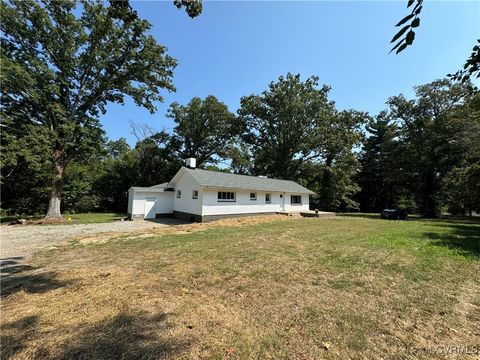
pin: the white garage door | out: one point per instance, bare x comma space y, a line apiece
150, 208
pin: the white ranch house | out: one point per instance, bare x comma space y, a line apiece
201, 195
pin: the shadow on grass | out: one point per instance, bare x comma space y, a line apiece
461, 237
16, 334
8, 219
414, 217
126, 336
16, 276
361, 215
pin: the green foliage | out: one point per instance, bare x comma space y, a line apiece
461, 189
421, 154
117, 148
25, 171
402, 37
204, 129
62, 64
285, 125
192, 7
334, 184
433, 128
294, 132
240, 159
78, 192
471, 68
117, 175
461, 186
382, 177
158, 159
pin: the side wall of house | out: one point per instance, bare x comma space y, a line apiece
186, 204
305, 206
163, 203
244, 205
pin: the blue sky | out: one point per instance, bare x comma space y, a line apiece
237, 48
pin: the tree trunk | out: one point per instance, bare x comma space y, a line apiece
59, 162
429, 200
326, 183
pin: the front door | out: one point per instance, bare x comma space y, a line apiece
150, 208
282, 202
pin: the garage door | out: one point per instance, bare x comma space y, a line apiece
150, 208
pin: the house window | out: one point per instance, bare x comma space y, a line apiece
195, 194
267, 198
179, 194
253, 196
296, 200
226, 196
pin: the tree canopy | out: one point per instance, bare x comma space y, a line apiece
204, 129
419, 154
62, 63
285, 124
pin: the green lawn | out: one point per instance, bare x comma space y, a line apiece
86, 218
350, 287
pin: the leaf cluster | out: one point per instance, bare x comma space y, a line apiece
406, 35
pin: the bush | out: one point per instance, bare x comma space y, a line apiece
87, 203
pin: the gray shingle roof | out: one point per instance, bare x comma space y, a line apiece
162, 185
220, 179
158, 187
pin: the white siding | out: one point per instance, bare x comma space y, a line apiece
186, 204
163, 203
293, 208
243, 204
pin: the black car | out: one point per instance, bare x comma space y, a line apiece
395, 214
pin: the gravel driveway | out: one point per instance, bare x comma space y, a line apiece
24, 240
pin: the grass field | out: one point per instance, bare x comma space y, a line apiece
87, 218
349, 287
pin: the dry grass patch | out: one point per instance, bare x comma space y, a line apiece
291, 289
181, 228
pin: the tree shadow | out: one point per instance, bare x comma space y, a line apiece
15, 335
415, 217
126, 336
17, 276
360, 215
461, 237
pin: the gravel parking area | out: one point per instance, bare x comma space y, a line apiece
24, 240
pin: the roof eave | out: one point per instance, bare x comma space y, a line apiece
147, 189
310, 192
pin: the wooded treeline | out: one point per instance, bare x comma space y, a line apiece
64, 61
420, 154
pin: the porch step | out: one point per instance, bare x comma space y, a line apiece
319, 214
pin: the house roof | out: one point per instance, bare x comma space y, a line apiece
218, 179
154, 188
162, 185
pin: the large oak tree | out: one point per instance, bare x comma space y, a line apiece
63, 62
286, 125
204, 129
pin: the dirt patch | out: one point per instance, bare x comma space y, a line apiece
181, 229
